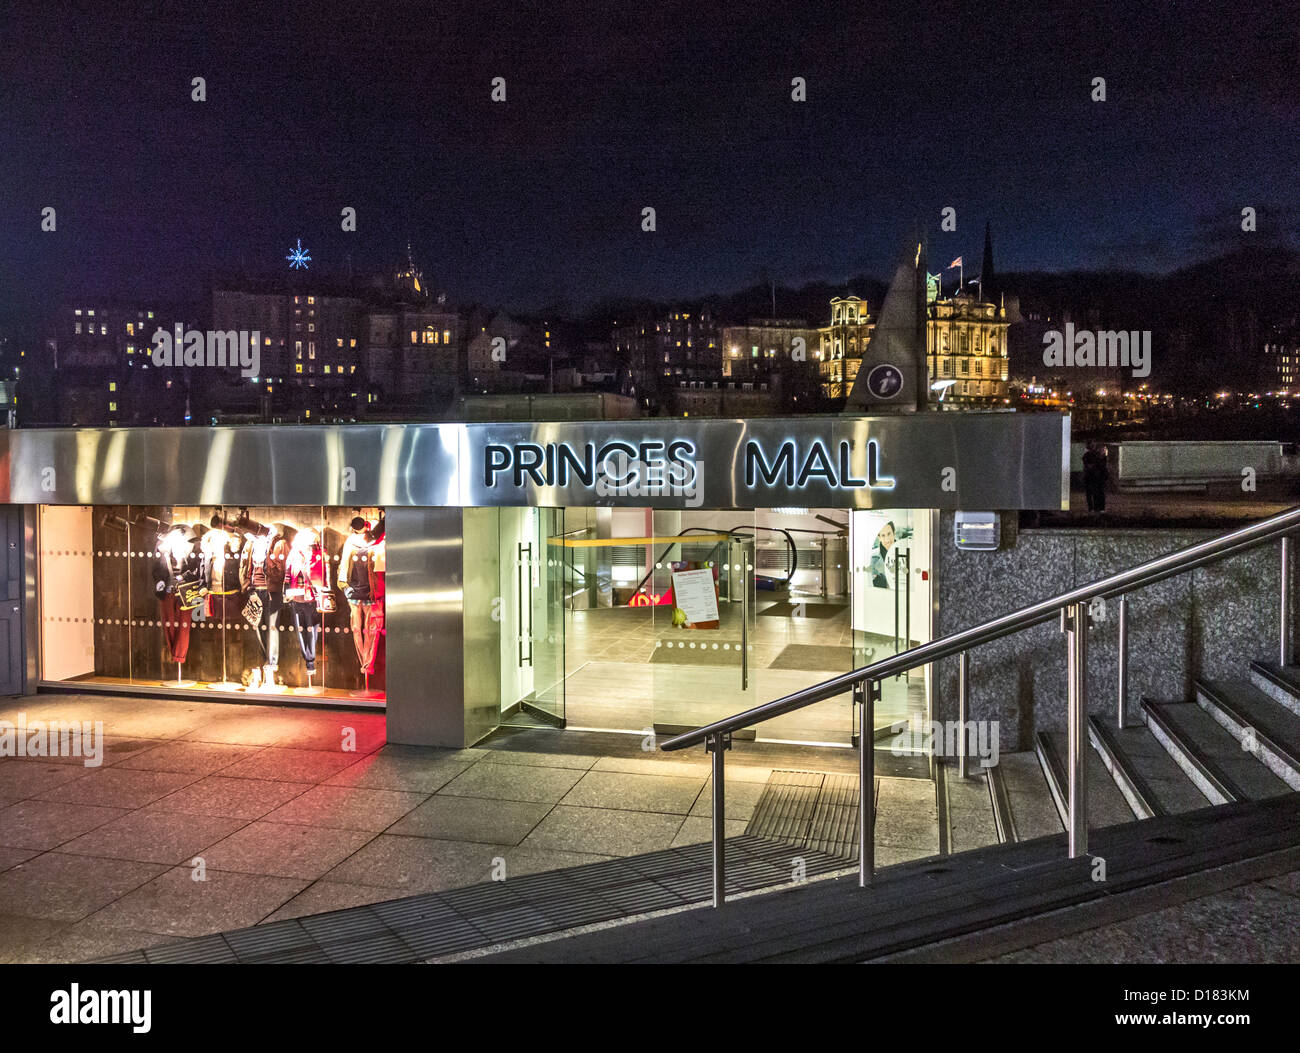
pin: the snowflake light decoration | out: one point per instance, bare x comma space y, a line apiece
298, 257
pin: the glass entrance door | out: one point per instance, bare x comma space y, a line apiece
530, 612
891, 611
702, 666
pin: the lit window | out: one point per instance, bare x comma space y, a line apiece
311, 299
413, 340
78, 310
112, 407
297, 368
352, 342
446, 336
130, 329
339, 341
112, 385
150, 314
77, 329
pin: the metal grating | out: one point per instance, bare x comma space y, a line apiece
809, 810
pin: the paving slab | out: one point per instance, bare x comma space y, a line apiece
472, 819
347, 808
391, 768
118, 787
194, 758
512, 782
290, 765
62, 887
604, 831
284, 850
43, 825
418, 864
635, 792
147, 836
175, 904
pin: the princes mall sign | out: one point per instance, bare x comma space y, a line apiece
950, 460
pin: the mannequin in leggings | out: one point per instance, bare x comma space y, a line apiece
261, 573
305, 578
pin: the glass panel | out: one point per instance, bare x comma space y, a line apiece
803, 625
171, 591
547, 578
531, 616
607, 618
891, 604
702, 664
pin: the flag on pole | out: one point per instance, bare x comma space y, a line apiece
954, 263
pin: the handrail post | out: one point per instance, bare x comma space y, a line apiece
865, 694
1284, 633
1076, 629
1123, 660
718, 746
963, 710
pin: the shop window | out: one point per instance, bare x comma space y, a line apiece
268, 601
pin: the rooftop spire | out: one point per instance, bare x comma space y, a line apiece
986, 268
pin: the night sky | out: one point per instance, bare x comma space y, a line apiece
684, 107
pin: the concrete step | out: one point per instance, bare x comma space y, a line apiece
1280, 682
1033, 814
1208, 754
1148, 777
967, 810
925, 904
1106, 804
1261, 726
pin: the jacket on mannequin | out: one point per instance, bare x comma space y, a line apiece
175, 564
305, 575
262, 565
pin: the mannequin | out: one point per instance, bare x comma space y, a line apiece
354, 574
223, 598
261, 574
375, 628
178, 575
306, 578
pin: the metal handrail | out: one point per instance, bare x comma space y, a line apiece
1072, 607
1144, 574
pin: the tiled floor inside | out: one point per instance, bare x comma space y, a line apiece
207, 817
628, 668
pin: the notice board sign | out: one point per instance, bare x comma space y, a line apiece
695, 595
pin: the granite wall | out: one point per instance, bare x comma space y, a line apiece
1209, 622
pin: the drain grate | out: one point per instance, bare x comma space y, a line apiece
808, 809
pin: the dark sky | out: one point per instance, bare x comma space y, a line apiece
681, 106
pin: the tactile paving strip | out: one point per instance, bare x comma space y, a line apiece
809, 810
421, 928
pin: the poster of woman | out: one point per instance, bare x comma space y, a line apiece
884, 554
